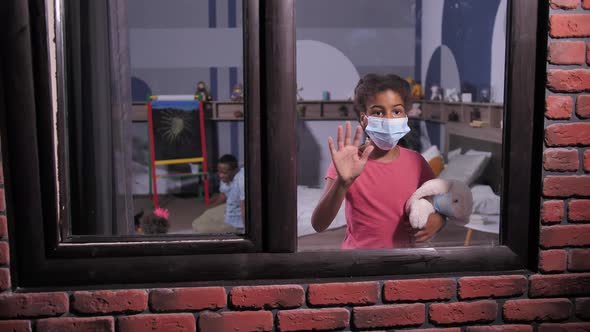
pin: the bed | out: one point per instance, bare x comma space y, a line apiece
307, 199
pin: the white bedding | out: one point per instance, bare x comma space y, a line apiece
307, 199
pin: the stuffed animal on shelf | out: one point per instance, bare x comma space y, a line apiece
450, 198
237, 93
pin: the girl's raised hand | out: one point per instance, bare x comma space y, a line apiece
347, 161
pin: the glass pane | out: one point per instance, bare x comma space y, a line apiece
424, 80
154, 117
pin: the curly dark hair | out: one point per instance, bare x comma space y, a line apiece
371, 84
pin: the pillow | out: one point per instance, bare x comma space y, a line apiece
465, 168
474, 152
434, 158
485, 201
453, 153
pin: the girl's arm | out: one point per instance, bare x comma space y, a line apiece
348, 165
328, 206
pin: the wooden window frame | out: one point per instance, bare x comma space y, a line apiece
42, 260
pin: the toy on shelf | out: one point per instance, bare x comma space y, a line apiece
452, 95
415, 88
299, 89
237, 93
415, 111
435, 91
202, 92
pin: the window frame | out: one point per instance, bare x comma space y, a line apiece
41, 260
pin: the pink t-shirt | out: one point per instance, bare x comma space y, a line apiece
374, 210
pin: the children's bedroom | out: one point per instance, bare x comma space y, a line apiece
184, 131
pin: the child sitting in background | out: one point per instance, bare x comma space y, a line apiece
226, 211
377, 178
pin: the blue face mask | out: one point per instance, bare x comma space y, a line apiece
385, 133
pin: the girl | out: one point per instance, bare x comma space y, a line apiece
377, 178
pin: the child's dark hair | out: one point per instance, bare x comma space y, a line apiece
230, 160
371, 84
154, 224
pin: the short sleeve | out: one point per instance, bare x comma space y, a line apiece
425, 171
223, 187
331, 173
241, 185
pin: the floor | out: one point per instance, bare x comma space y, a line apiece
184, 209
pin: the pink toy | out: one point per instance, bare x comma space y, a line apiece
450, 198
161, 213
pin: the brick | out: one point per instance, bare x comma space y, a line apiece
567, 53
565, 134
566, 186
4, 279
157, 323
587, 160
418, 290
2, 200
68, 324
561, 160
345, 293
108, 302
4, 253
15, 325
388, 316
564, 327
33, 305
586, 4
578, 210
569, 25
560, 236
588, 49
537, 310
559, 107
560, 285
3, 228
500, 328
313, 319
448, 329
583, 308
564, 4
177, 299
578, 260
552, 212
552, 260
583, 106
267, 297
574, 80
501, 286
464, 312
236, 321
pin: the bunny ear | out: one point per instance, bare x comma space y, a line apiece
431, 187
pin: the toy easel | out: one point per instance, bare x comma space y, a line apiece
197, 158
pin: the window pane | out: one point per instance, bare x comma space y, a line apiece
429, 101
154, 117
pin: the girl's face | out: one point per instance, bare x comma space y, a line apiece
386, 104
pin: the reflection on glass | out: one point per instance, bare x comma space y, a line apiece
416, 88
167, 156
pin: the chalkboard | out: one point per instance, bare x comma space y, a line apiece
176, 130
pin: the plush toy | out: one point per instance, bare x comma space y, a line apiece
450, 198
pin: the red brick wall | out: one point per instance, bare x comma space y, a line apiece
556, 299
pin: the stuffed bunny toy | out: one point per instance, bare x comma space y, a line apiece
450, 198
